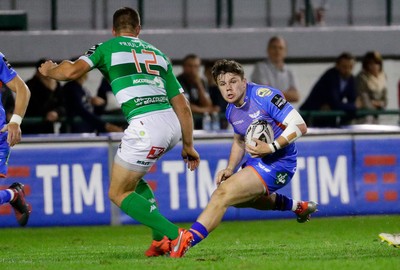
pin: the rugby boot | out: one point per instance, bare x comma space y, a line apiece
181, 244
391, 239
304, 210
21, 208
159, 248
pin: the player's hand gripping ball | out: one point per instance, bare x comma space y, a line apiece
259, 129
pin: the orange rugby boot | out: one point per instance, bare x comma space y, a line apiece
159, 248
181, 244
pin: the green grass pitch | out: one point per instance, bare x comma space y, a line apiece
323, 243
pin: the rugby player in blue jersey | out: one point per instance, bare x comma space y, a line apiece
268, 167
10, 134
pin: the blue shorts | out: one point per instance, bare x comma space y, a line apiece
4, 154
274, 175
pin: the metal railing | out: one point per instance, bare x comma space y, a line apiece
224, 12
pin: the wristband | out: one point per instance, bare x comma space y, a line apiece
271, 146
15, 118
276, 145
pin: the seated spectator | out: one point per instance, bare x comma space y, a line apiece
371, 85
46, 103
79, 105
216, 98
110, 105
274, 72
194, 89
334, 91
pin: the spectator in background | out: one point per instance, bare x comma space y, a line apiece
371, 85
79, 104
216, 98
274, 72
334, 91
47, 103
195, 90
110, 105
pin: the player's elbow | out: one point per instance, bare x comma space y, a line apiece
303, 128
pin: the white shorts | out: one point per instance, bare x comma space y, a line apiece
146, 139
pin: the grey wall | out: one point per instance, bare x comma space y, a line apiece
240, 44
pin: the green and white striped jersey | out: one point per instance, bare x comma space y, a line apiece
141, 76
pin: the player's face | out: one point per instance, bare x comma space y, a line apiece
192, 67
232, 88
345, 67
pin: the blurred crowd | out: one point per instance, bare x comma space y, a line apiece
71, 108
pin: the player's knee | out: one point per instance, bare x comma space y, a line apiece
113, 196
221, 195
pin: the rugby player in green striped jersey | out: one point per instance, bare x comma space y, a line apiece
158, 114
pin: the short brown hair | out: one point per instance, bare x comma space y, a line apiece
190, 56
126, 18
227, 66
274, 39
345, 56
372, 56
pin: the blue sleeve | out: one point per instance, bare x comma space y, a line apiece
7, 73
275, 105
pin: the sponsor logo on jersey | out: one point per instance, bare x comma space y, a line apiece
155, 152
92, 50
238, 122
278, 101
7, 63
141, 101
264, 168
157, 81
152, 208
281, 178
255, 115
264, 92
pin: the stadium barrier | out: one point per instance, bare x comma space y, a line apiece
348, 171
309, 116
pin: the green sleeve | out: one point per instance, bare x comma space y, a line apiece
95, 55
173, 87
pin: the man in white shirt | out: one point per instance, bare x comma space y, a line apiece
274, 72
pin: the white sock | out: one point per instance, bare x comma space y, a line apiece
12, 194
294, 206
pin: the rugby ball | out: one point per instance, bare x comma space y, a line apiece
259, 129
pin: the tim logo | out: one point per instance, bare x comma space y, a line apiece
155, 152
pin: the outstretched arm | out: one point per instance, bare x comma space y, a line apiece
65, 71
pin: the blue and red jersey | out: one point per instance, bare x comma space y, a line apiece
263, 103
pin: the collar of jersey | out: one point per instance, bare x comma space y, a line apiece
246, 98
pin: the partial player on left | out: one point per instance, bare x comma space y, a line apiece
10, 135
